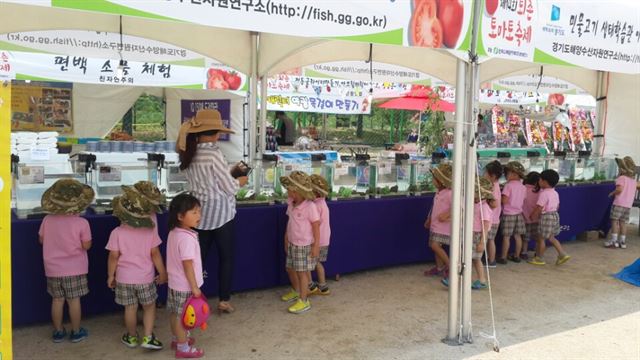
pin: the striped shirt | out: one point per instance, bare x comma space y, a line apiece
210, 181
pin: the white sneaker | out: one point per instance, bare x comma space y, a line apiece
609, 244
617, 244
623, 244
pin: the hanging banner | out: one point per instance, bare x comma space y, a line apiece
5, 221
443, 24
488, 96
99, 44
598, 35
533, 83
42, 106
318, 104
189, 108
82, 69
7, 72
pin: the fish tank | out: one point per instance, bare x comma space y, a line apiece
606, 169
584, 167
534, 162
263, 186
363, 173
343, 182
32, 177
422, 180
113, 170
562, 164
319, 165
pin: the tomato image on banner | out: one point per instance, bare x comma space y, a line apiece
435, 23
221, 79
491, 6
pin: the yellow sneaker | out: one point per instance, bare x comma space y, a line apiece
300, 306
562, 259
290, 296
536, 261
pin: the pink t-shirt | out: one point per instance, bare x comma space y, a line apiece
516, 192
498, 209
134, 244
325, 226
182, 244
441, 204
299, 230
62, 250
549, 200
530, 201
625, 198
481, 216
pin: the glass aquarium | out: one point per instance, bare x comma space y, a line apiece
116, 169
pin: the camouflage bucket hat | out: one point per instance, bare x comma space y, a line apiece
300, 183
516, 167
485, 190
151, 193
66, 197
319, 185
631, 165
133, 209
443, 173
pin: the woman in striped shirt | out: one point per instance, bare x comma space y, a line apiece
210, 181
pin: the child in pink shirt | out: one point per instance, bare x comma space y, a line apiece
133, 253
623, 201
530, 201
301, 239
481, 225
512, 220
438, 221
65, 239
321, 190
184, 267
493, 172
546, 213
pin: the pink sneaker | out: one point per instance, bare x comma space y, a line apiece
190, 340
192, 353
434, 271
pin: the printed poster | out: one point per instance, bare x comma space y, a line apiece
191, 107
42, 106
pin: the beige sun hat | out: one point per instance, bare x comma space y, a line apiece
66, 197
443, 173
630, 165
133, 209
300, 183
205, 120
319, 185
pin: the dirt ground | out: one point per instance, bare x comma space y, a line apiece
575, 311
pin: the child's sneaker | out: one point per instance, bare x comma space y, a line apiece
515, 259
502, 261
191, 353
300, 306
81, 335
445, 282
290, 296
313, 288
58, 336
493, 265
610, 244
478, 285
434, 271
190, 341
151, 343
623, 244
324, 290
537, 261
562, 259
130, 340
524, 256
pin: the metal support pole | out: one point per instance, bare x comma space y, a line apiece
470, 181
454, 249
253, 101
601, 110
263, 116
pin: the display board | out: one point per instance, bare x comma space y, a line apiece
191, 107
42, 106
5, 221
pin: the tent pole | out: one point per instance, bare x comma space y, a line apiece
601, 109
253, 91
454, 249
419, 127
470, 178
263, 116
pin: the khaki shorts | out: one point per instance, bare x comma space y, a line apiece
133, 294
68, 287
